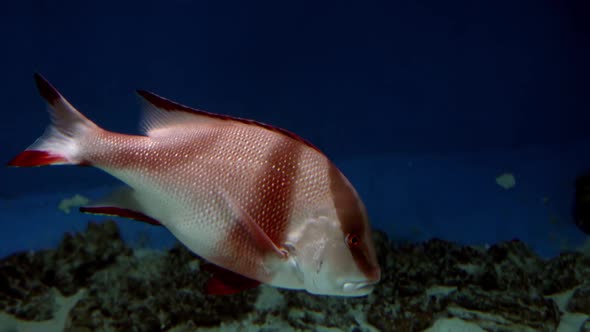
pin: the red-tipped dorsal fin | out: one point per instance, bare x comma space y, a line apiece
46, 90
226, 282
155, 120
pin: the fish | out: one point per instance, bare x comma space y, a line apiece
259, 204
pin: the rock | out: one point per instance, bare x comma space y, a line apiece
580, 300
22, 293
155, 292
27, 278
424, 286
565, 272
441, 279
80, 256
504, 311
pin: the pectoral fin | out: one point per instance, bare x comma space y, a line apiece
258, 235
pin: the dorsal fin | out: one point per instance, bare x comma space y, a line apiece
163, 113
160, 113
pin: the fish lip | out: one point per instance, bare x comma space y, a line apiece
359, 285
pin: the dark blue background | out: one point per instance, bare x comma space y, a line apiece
356, 78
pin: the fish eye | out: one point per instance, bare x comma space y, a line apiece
353, 240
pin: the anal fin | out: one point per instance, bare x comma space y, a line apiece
120, 203
226, 282
114, 211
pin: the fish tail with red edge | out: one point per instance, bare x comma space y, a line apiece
60, 144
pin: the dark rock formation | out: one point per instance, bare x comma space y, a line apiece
502, 288
153, 293
27, 278
580, 301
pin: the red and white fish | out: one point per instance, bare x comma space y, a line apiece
250, 198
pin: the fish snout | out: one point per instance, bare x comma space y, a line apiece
364, 285
359, 286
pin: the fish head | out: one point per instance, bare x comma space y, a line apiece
335, 253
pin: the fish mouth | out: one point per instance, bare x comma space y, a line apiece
363, 286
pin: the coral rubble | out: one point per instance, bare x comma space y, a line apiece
505, 287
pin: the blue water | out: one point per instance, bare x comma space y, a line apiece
413, 197
421, 103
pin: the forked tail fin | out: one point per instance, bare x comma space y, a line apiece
60, 144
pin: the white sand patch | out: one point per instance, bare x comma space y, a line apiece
253, 323
271, 323
269, 299
63, 305
453, 325
562, 299
571, 322
440, 290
